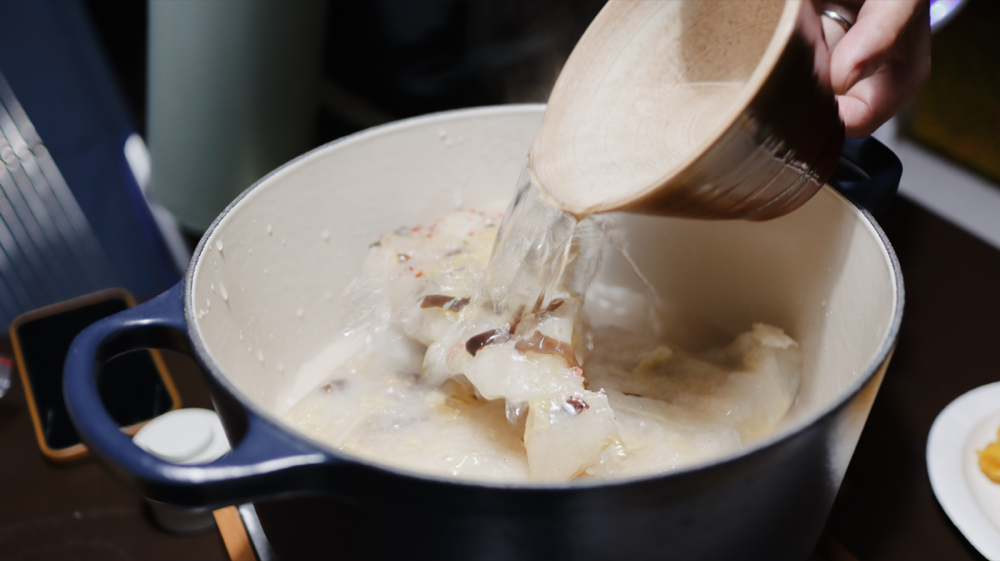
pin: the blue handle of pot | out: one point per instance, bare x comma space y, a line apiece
264, 462
868, 173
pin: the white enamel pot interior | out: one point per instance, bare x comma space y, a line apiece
263, 295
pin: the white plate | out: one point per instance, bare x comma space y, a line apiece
969, 498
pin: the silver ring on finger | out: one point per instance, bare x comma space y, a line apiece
844, 22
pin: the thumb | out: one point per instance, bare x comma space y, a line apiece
880, 23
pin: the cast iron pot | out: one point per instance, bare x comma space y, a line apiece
261, 297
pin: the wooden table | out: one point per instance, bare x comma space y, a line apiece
885, 510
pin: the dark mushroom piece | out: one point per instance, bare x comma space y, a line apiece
518, 316
547, 345
450, 303
491, 337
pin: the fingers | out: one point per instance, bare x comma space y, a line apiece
876, 99
880, 23
834, 31
881, 65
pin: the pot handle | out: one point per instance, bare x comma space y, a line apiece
868, 173
264, 461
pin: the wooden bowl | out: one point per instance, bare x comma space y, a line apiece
716, 110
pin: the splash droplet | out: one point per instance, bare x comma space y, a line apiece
300, 312
269, 229
218, 245
260, 355
325, 234
225, 294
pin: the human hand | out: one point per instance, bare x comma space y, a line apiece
882, 62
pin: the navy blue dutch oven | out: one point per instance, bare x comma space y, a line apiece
825, 273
